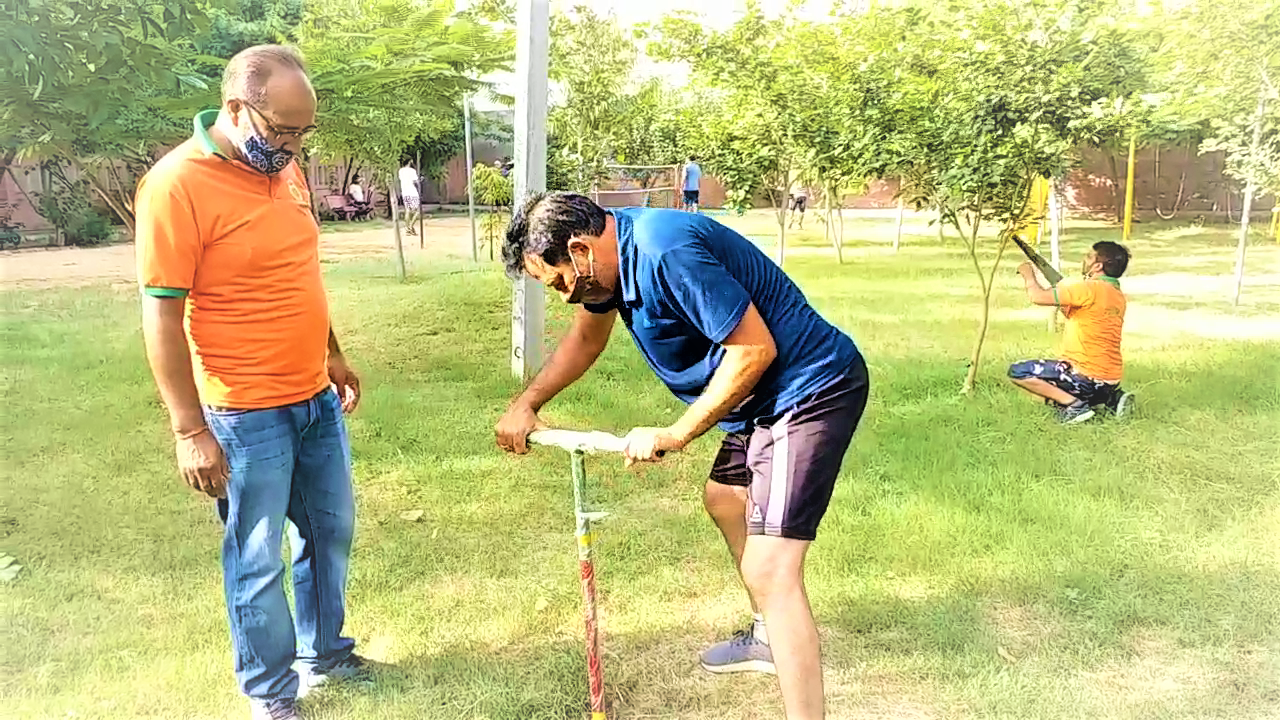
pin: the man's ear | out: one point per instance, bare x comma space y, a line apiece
580, 247
233, 108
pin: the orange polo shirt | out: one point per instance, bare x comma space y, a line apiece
1095, 319
243, 249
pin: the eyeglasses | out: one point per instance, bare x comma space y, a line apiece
275, 134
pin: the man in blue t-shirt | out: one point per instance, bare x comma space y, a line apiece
731, 335
690, 177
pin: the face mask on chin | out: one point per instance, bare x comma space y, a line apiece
262, 155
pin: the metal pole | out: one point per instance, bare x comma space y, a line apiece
595, 670
471, 191
1128, 188
422, 233
528, 306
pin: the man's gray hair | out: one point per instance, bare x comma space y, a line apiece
246, 75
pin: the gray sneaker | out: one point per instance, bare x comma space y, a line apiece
278, 709
741, 653
1077, 412
353, 669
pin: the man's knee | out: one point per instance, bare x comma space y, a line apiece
772, 565
1024, 370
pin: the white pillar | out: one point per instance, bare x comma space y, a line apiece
528, 307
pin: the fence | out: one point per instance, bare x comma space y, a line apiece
1195, 182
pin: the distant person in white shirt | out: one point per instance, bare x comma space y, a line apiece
356, 191
690, 175
409, 195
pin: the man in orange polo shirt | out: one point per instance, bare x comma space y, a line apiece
239, 341
1088, 374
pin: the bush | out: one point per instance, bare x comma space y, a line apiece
72, 212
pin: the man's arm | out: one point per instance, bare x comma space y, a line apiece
341, 374
1037, 293
200, 458
748, 352
170, 360
578, 350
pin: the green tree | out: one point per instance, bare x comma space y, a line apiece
1222, 68
996, 96
842, 95
591, 59
493, 192
241, 24
99, 86
751, 142
393, 74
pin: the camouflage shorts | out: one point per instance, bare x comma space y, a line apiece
1063, 376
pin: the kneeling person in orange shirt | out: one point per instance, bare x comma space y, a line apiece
1089, 371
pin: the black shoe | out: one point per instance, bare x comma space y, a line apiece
1121, 403
1077, 412
352, 669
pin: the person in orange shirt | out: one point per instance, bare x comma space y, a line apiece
238, 337
1088, 373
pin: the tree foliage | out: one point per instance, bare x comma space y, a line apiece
755, 138
393, 72
591, 59
99, 85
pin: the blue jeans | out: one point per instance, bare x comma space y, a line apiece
294, 463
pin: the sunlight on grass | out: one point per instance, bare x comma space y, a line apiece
978, 560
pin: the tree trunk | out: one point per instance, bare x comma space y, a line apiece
778, 199
395, 223
1129, 181
840, 220
1117, 190
782, 233
836, 241
125, 213
975, 357
942, 238
346, 176
897, 234
1249, 189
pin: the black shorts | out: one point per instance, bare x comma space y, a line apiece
690, 197
790, 467
1061, 374
798, 202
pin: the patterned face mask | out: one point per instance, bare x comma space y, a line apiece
262, 155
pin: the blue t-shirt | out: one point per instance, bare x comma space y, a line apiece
685, 283
692, 174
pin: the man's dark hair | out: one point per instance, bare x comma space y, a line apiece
693, 158
543, 225
1113, 256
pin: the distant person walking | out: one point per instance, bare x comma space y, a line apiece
690, 177
409, 195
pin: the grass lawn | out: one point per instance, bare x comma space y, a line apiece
978, 561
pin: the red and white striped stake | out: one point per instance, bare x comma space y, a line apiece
595, 670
